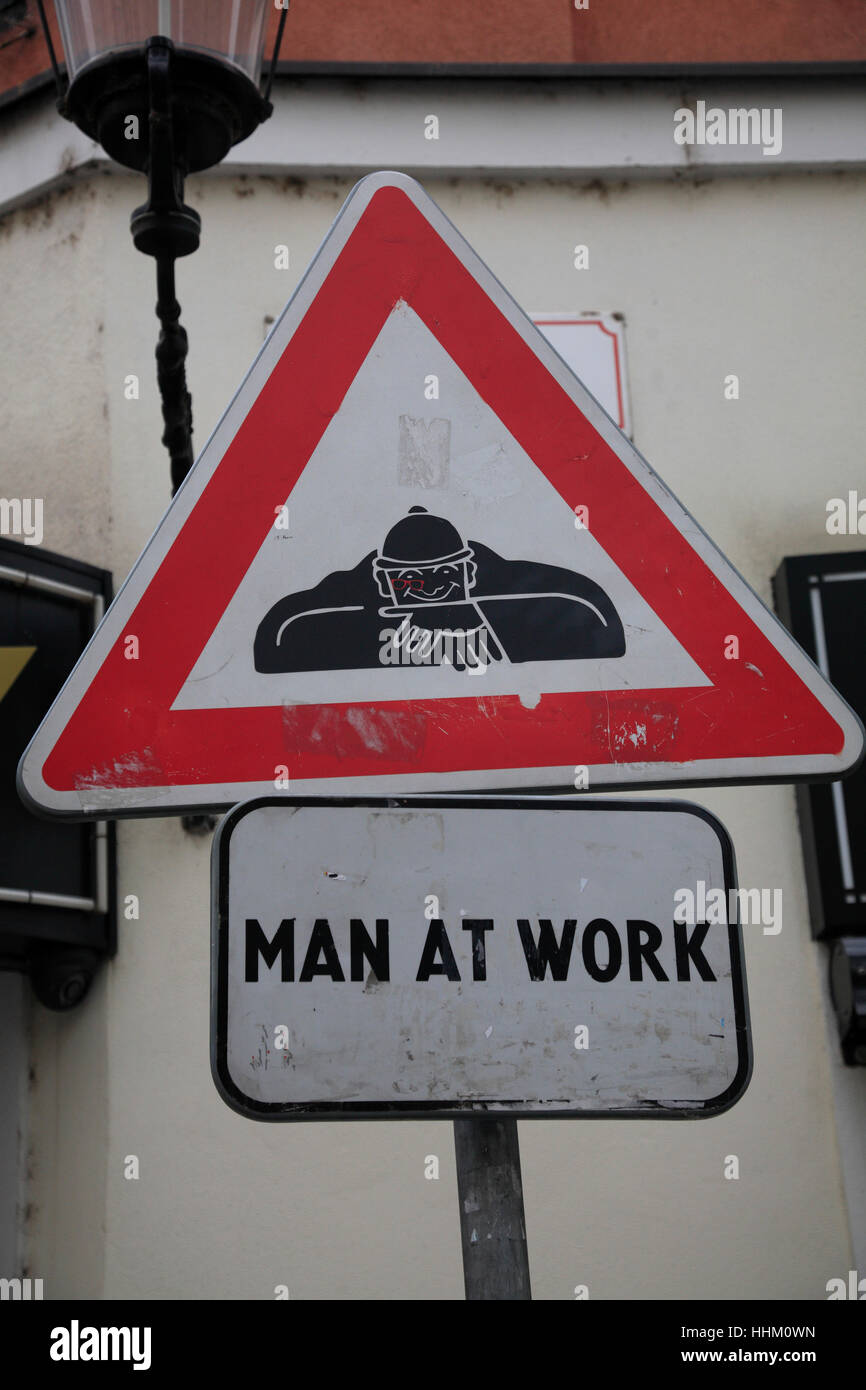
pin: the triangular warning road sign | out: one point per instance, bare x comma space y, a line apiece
417, 555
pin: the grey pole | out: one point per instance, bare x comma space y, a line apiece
492, 1223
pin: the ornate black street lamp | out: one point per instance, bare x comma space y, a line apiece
166, 87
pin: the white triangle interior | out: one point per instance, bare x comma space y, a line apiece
353, 490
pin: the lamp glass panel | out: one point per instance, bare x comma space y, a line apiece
232, 30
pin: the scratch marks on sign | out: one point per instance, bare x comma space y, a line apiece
414, 835
423, 452
485, 473
115, 773
624, 726
265, 1055
346, 731
356, 880
96, 788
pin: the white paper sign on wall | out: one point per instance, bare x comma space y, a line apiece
593, 346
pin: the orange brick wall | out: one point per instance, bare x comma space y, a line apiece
643, 33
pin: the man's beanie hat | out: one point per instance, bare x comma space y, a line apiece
422, 539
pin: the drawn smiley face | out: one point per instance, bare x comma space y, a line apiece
428, 583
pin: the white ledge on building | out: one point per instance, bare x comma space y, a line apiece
486, 128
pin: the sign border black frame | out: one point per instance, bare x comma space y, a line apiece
31, 924
830, 916
451, 1110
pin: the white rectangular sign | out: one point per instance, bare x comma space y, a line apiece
593, 346
424, 957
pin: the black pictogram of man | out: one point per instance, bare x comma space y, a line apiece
426, 580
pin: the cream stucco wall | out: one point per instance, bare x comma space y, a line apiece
761, 277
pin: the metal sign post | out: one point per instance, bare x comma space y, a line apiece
492, 1220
